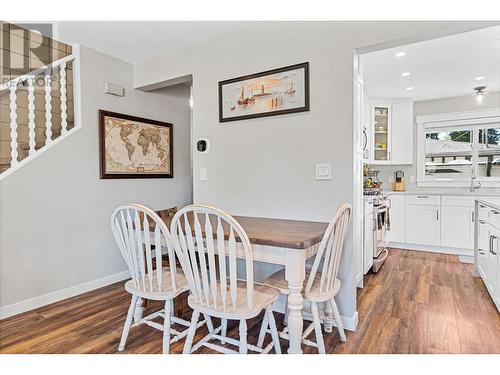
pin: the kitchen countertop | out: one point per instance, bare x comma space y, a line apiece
489, 203
494, 194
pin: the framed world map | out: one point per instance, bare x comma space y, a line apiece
134, 147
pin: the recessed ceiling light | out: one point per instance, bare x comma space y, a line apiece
400, 54
479, 78
405, 74
410, 88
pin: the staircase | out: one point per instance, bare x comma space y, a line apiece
36, 111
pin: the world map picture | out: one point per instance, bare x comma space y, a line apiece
133, 147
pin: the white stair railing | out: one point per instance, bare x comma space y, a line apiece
34, 77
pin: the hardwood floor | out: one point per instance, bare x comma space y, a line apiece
418, 303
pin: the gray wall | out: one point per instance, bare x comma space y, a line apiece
55, 211
266, 167
431, 107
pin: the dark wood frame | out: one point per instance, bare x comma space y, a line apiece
305, 108
102, 151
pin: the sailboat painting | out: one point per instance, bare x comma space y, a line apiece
273, 92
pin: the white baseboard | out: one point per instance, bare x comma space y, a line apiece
46, 299
433, 249
351, 322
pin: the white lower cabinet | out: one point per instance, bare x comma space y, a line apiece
397, 217
483, 247
487, 251
423, 224
457, 227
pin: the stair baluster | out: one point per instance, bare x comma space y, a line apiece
48, 109
31, 115
64, 108
13, 125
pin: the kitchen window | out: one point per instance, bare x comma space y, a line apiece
454, 148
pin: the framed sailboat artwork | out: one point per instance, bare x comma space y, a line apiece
270, 93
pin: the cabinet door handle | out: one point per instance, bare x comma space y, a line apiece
422, 196
493, 238
472, 216
437, 215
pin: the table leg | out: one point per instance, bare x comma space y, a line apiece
295, 274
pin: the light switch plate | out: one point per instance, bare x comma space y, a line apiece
203, 174
323, 171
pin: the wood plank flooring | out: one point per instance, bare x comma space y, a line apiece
418, 303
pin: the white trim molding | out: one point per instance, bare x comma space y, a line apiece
59, 295
476, 120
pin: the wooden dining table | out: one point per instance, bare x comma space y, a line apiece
289, 243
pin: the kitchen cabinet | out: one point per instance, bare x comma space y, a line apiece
390, 135
368, 239
423, 224
487, 249
397, 217
457, 227
483, 247
381, 133
402, 133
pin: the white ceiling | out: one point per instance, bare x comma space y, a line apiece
440, 68
136, 41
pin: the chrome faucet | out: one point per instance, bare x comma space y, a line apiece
474, 182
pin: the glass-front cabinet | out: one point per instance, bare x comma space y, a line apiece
381, 133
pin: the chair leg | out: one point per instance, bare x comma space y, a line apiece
191, 331
243, 337
263, 329
166, 327
223, 330
338, 320
317, 328
210, 325
327, 323
287, 311
274, 330
128, 323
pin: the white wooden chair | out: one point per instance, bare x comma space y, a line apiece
321, 287
211, 268
131, 230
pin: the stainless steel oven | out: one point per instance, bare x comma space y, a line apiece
381, 226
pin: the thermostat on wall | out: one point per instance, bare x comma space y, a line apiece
202, 145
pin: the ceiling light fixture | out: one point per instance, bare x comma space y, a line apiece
479, 78
400, 54
410, 88
405, 74
479, 95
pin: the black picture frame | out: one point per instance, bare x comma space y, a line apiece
102, 147
304, 108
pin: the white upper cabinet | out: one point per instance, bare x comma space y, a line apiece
381, 133
402, 133
390, 132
